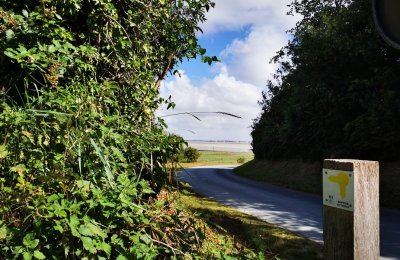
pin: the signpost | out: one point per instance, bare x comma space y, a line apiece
351, 209
351, 187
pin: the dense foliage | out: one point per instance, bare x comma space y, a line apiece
81, 155
336, 93
191, 154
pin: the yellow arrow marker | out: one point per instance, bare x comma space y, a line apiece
343, 180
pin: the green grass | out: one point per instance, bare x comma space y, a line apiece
219, 158
260, 236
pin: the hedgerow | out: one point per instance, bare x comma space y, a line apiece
82, 157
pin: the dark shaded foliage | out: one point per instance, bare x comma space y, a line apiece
191, 154
336, 93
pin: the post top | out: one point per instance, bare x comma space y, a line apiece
347, 164
350, 160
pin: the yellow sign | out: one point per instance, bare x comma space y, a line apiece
338, 189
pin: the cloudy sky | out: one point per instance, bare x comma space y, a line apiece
245, 35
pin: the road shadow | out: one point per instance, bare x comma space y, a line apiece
296, 211
254, 233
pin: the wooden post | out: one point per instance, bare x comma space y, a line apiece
351, 209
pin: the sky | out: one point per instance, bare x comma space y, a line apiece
244, 35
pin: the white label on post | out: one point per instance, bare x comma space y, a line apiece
338, 189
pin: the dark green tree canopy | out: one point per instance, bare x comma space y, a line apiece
336, 93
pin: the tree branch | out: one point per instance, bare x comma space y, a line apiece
165, 71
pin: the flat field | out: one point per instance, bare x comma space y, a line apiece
220, 158
221, 146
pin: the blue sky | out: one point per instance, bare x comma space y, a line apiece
245, 35
215, 44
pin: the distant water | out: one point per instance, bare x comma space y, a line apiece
221, 146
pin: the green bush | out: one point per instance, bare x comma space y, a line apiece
82, 157
191, 154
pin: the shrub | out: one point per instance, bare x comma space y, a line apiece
81, 154
191, 154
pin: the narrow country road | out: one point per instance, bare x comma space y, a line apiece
292, 210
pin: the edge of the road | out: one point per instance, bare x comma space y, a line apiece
251, 182
271, 186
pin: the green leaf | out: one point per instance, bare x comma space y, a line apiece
118, 153
27, 256
85, 230
58, 16
147, 191
83, 185
106, 248
58, 227
202, 51
52, 198
88, 244
20, 168
9, 34
51, 48
215, 58
3, 231
122, 257
96, 230
25, 13
60, 213
73, 225
109, 174
39, 255
145, 239
30, 241
3, 151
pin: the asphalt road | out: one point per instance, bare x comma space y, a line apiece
292, 210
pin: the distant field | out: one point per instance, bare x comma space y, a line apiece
220, 158
221, 146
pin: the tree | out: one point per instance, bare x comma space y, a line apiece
336, 92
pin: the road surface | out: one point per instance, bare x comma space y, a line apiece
292, 210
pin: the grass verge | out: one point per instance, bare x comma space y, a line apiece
250, 232
292, 174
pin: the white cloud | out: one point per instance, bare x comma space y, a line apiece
241, 76
248, 59
223, 93
236, 14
